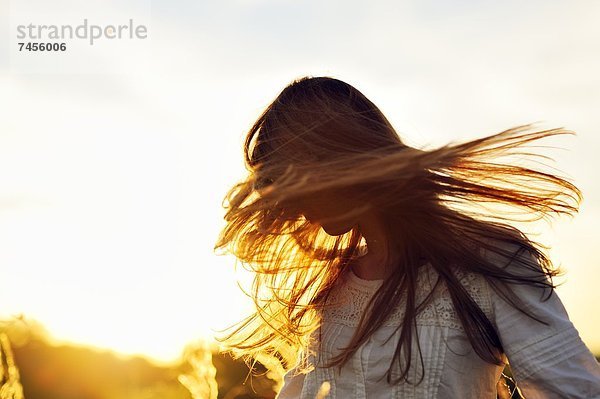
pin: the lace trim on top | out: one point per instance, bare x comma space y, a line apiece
348, 300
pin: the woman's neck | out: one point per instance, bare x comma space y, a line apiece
380, 252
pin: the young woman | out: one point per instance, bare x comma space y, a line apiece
386, 271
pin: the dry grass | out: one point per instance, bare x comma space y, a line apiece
201, 380
10, 386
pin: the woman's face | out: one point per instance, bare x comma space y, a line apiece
319, 206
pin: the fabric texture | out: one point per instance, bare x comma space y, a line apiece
547, 361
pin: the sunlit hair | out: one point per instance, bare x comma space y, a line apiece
441, 206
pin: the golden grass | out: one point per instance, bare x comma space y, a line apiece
10, 386
201, 380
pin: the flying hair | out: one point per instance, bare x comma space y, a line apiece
451, 206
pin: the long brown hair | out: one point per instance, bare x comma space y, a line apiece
441, 204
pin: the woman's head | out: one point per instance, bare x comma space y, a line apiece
318, 119
317, 124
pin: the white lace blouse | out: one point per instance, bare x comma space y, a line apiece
546, 361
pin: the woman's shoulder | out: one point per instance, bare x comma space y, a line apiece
510, 250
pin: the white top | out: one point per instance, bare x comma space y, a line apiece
546, 361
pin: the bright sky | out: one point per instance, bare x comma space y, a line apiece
114, 158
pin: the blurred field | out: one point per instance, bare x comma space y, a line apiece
49, 371
34, 368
